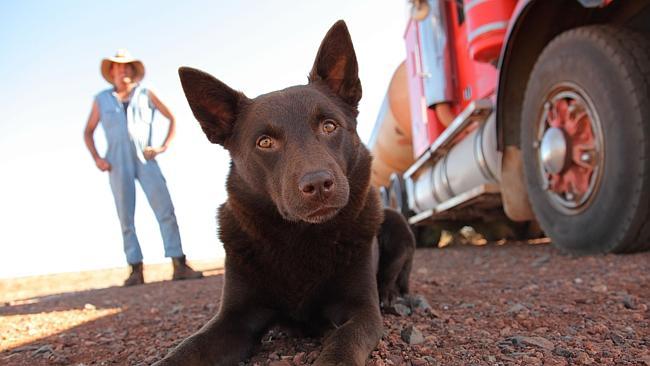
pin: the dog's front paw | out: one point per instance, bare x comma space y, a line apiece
185, 354
387, 297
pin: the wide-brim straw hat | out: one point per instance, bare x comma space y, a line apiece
122, 56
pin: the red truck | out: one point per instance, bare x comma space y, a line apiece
530, 111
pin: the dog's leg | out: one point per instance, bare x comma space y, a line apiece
396, 247
357, 320
352, 342
229, 337
403, 278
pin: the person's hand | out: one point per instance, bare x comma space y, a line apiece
151, 152
103, 165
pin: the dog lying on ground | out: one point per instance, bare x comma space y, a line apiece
307, 242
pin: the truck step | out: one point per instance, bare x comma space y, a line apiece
484, 200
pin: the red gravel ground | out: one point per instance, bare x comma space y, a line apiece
513, 304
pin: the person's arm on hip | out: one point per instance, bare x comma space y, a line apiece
151, 152
93, 121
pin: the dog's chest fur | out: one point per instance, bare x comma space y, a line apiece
296, 267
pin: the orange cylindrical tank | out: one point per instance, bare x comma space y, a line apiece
398, 99
391, 148
487, 23
380, 173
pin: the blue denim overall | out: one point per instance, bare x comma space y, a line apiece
128, 132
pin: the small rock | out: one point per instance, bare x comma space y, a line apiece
489, 358
90, 307
312, 356
541, 260
150, 360
578, 281
435, 313
617, 339
431, 360
599, 288
516, 308
540, 342
176, 309
398, 309
629, 302
419, 362
43, 349
412, 335
396, 360
299, 358
532, 361
418, 302
584, 359
280, 363
25, 348
563, 352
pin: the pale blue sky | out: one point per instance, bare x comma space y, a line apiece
57, 212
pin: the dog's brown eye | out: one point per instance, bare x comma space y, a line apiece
329, 126
264, 142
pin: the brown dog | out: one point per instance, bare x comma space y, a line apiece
301, 220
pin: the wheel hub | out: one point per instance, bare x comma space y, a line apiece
570, 149
553, 150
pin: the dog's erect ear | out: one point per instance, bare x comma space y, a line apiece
214, 104
336, 64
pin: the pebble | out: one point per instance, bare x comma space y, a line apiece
398, 309
599, 288
418, 302
43, 349
299, 358
280, 363
412, 335
629, 302
617, 339
541, 260
540, 342
312, 356
516, 308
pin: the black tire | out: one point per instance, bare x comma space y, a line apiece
383, 196
425, 236
397, 195
611, 65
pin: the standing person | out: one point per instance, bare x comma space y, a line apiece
126, 112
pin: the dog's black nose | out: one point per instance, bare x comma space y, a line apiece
317, 184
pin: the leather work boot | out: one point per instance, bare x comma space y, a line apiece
182, 271
136, 277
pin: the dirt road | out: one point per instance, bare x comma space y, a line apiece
514, 304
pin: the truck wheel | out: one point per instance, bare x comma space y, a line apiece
383, 196
425, 236
585, 140
397, 195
